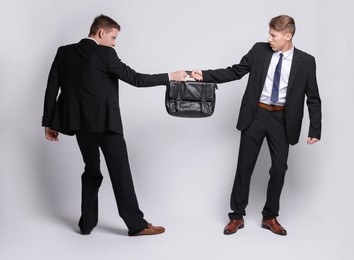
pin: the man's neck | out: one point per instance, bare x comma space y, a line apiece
93, 38
287, 47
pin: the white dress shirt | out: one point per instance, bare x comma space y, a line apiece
284, 78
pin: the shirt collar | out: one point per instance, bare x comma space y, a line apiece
286, 54
90, 38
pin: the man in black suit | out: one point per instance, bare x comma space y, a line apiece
280, 76
87, 75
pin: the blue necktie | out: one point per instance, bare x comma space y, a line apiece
275, 89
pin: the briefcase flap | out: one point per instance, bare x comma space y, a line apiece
192, 90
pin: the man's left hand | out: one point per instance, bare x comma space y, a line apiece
51, 134
311, 140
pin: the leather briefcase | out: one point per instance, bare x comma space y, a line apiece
190, 99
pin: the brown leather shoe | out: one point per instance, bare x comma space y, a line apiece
273, 225
233, 226
151, 230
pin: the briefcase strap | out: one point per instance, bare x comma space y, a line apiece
178, 100
202, 104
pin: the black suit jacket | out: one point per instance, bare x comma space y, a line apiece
302, 82
87, 76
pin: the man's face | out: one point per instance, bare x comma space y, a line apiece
279, 40
108, 37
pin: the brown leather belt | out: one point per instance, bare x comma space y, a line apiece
271, 107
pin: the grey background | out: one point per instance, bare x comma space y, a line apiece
183, 169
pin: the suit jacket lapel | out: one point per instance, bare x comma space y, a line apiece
293, 70
267, 58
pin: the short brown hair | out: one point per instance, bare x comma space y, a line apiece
103, 22
283, 22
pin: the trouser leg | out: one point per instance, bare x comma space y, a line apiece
115, 152
250, 145
279, 150
91, 180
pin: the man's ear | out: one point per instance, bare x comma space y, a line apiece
288, 36
100, 33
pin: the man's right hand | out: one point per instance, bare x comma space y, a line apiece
178, 75
197, 75
51, 134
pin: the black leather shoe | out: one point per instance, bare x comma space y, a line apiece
85, 232
233, 226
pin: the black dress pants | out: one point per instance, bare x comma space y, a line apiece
269, 125
114, 150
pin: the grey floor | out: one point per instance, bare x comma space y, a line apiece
186, 237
